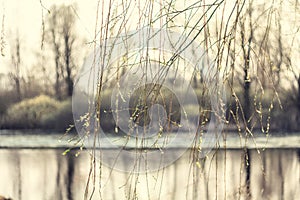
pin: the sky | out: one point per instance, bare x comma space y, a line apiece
25, 18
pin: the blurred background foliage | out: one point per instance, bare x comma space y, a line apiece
261, 72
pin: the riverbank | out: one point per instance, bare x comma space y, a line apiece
51, 139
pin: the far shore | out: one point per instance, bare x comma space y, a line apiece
39, 139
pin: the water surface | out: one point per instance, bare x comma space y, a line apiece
42, 172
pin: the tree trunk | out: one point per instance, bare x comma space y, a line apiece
69, 80
57, 55
247, 80
298, 97
247, 102
18, 88
57, 84
16, 61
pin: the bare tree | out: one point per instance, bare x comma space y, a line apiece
16, 62
68, 38
54, 42
62, 36
246, 42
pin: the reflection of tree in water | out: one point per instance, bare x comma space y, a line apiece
58, 176
70, 175
65, 175
18, 180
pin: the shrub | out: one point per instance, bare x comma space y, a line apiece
30, 113
61, 119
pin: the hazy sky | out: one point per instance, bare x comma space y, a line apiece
25, 17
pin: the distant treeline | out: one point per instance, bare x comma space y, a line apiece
46, 112
260, 72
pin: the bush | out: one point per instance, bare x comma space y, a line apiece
30, 113
61, 119
39, 112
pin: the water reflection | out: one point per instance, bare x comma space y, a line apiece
47, 174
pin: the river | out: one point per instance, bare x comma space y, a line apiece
33, 167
